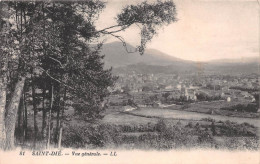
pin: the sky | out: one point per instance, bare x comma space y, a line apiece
205, 30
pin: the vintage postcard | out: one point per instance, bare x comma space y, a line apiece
120, 81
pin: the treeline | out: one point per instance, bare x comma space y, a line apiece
167, 98
252, 107
244, 89
204, 97
48, 62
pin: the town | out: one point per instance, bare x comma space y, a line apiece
165, 90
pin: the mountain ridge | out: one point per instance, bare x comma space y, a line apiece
155, 61
117, 56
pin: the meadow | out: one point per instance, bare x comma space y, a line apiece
163, 129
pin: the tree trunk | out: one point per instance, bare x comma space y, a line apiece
19, 129
44, 123
57, 126
34, 113
24, 118
49, 119
62, 115
2, 112
44, 114
56, 137
60, 137
44, 111
19, 114
12, 113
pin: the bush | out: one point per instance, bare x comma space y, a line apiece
74, 137
208, 119
93, 136
205, 137
242, 143
160, 126
159, 136
189, 125
233, 129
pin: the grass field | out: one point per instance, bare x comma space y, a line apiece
214, 107
193, 116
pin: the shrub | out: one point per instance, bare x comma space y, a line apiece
73, 137
189, 125
160, 136
205, 137
160, 126
242, 143
233, 129
93, 136
208, 119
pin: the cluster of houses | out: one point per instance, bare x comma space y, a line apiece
186, 87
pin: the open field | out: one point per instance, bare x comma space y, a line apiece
214, 107
185, 115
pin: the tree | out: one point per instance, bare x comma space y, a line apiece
52, 41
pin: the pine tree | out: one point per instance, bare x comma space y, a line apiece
52, 41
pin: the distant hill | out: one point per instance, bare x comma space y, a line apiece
180, 68
242, 60
154, 61
116, 56
232, 68
143, 68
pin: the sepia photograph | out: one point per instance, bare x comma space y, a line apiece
130, 81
